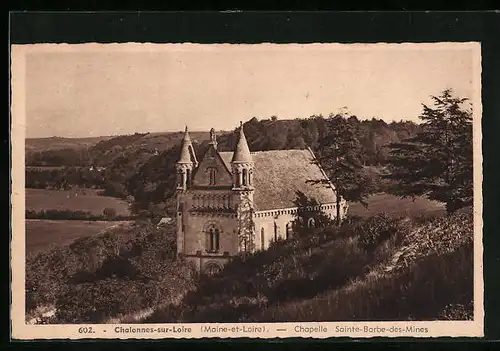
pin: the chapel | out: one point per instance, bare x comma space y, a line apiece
241, 201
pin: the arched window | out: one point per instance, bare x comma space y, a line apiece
288, 230
179, 178
244, 177
311, 223
262, 239
188, 177
213, 239
275, 231
212, 174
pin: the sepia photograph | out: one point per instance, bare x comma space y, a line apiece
195, 188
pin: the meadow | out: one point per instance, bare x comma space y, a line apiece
395, 206
42, 235
77, 199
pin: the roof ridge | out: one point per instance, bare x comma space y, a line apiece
262, 151
320, 167
279, 150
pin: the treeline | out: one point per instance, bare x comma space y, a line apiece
133, 169
109, 215
63, 178
273, 134
155, 180
80, 156
60, 157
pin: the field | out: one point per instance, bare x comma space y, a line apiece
85, 200
395, 206
43, 234
57, 143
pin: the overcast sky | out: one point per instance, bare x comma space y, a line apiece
81, 92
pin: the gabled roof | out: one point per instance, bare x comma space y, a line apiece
278, 174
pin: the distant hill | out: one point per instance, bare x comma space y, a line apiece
58, 151
58, 143
264, 134
142, 165
141, 146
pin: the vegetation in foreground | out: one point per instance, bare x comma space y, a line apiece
373, 269
378, 268
106, 277
44, 235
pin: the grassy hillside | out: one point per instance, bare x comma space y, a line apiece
43, 235
375, 269
110, 276
395, 206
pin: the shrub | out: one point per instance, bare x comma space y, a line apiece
109, 275
109, 212
340, 273
375, 230
419, 293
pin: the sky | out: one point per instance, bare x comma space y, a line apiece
85, 91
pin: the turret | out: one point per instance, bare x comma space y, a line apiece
186, 163
242, 163
213, 139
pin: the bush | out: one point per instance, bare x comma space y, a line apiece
375, 230
436, 287
378, 268
109, 212
110, 275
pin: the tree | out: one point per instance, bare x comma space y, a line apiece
309, 208
339, 153
437, 163
246, 225
109, 212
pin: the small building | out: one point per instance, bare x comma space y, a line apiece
241, 201
165, 221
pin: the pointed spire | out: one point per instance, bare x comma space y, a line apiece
242, 152
185, 156
213, 138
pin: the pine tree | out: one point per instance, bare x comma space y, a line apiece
339, 153
437, 163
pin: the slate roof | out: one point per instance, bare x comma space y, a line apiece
278, 174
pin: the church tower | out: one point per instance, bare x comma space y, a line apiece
242, 166
186, 164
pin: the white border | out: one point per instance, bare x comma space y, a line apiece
20, 330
